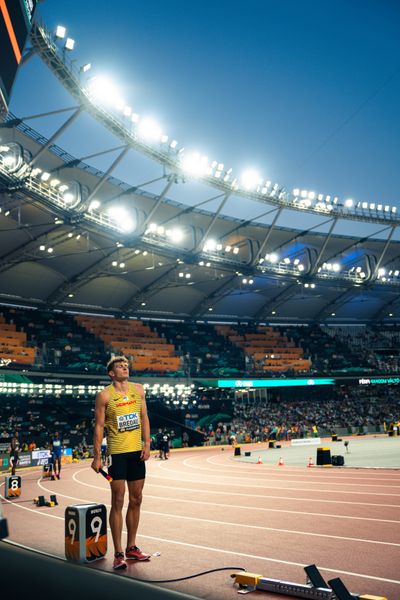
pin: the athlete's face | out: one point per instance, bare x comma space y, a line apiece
120, 371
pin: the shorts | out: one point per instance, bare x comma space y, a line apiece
127, 466
14, 458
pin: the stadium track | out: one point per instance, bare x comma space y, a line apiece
205, 509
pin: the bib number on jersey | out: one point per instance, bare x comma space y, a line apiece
128, 422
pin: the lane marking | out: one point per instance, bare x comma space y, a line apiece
261, 527
241, 506
236, 553
275, 487
241, 472
317, 473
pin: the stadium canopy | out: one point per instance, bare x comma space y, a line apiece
185, 237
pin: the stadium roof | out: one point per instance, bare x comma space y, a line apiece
184, 238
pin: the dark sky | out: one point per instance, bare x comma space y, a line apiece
306, 92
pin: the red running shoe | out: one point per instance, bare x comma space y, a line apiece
134, 553
119, 561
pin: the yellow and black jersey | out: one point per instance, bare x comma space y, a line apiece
123, 420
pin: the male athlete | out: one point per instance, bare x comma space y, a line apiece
56, 451
14, 453
121, 407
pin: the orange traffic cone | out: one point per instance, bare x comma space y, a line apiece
280, 462
259, 462
310, 462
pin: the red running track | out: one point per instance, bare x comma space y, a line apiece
204, 509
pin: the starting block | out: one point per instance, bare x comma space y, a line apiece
41, 501
12, 486
85, 532
316, 588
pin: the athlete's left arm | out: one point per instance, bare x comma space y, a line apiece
144, 417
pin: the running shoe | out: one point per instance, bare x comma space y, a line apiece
119, 561
134, 553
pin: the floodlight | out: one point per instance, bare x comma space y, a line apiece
42, 248
387, 208
127, 111
173, 144
210, 245
381, 272
394, 209
94, 205
114, 263
249, 179
50, 250
235, 250
218, 247
300, 267
364, 205
244, 280
348, 203
188, 275
228, 248
120, 216
122, 265
336, 267
194, 163
164, 139
177, 234
86, 68
68, 197
148, 129
69, 44
181, 274
103, 90
286, 260
45, 176
273, 258
60, 32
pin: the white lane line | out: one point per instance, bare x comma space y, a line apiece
278, 478
256, 508
233, 481
264, 496
236, 524
230, 552
346, 474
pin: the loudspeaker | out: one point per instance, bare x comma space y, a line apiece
324, 457
237, 451
247, 453
337, 460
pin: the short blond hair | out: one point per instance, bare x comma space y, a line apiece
116, 359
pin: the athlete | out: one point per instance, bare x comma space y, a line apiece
14, 453
121, 407
56, 451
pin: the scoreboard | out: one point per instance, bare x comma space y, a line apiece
15, 24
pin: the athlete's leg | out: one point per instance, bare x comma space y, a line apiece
116, 520
135, 489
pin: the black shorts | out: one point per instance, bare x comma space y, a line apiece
127, 466
14, 457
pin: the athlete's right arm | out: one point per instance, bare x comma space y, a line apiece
99, 416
